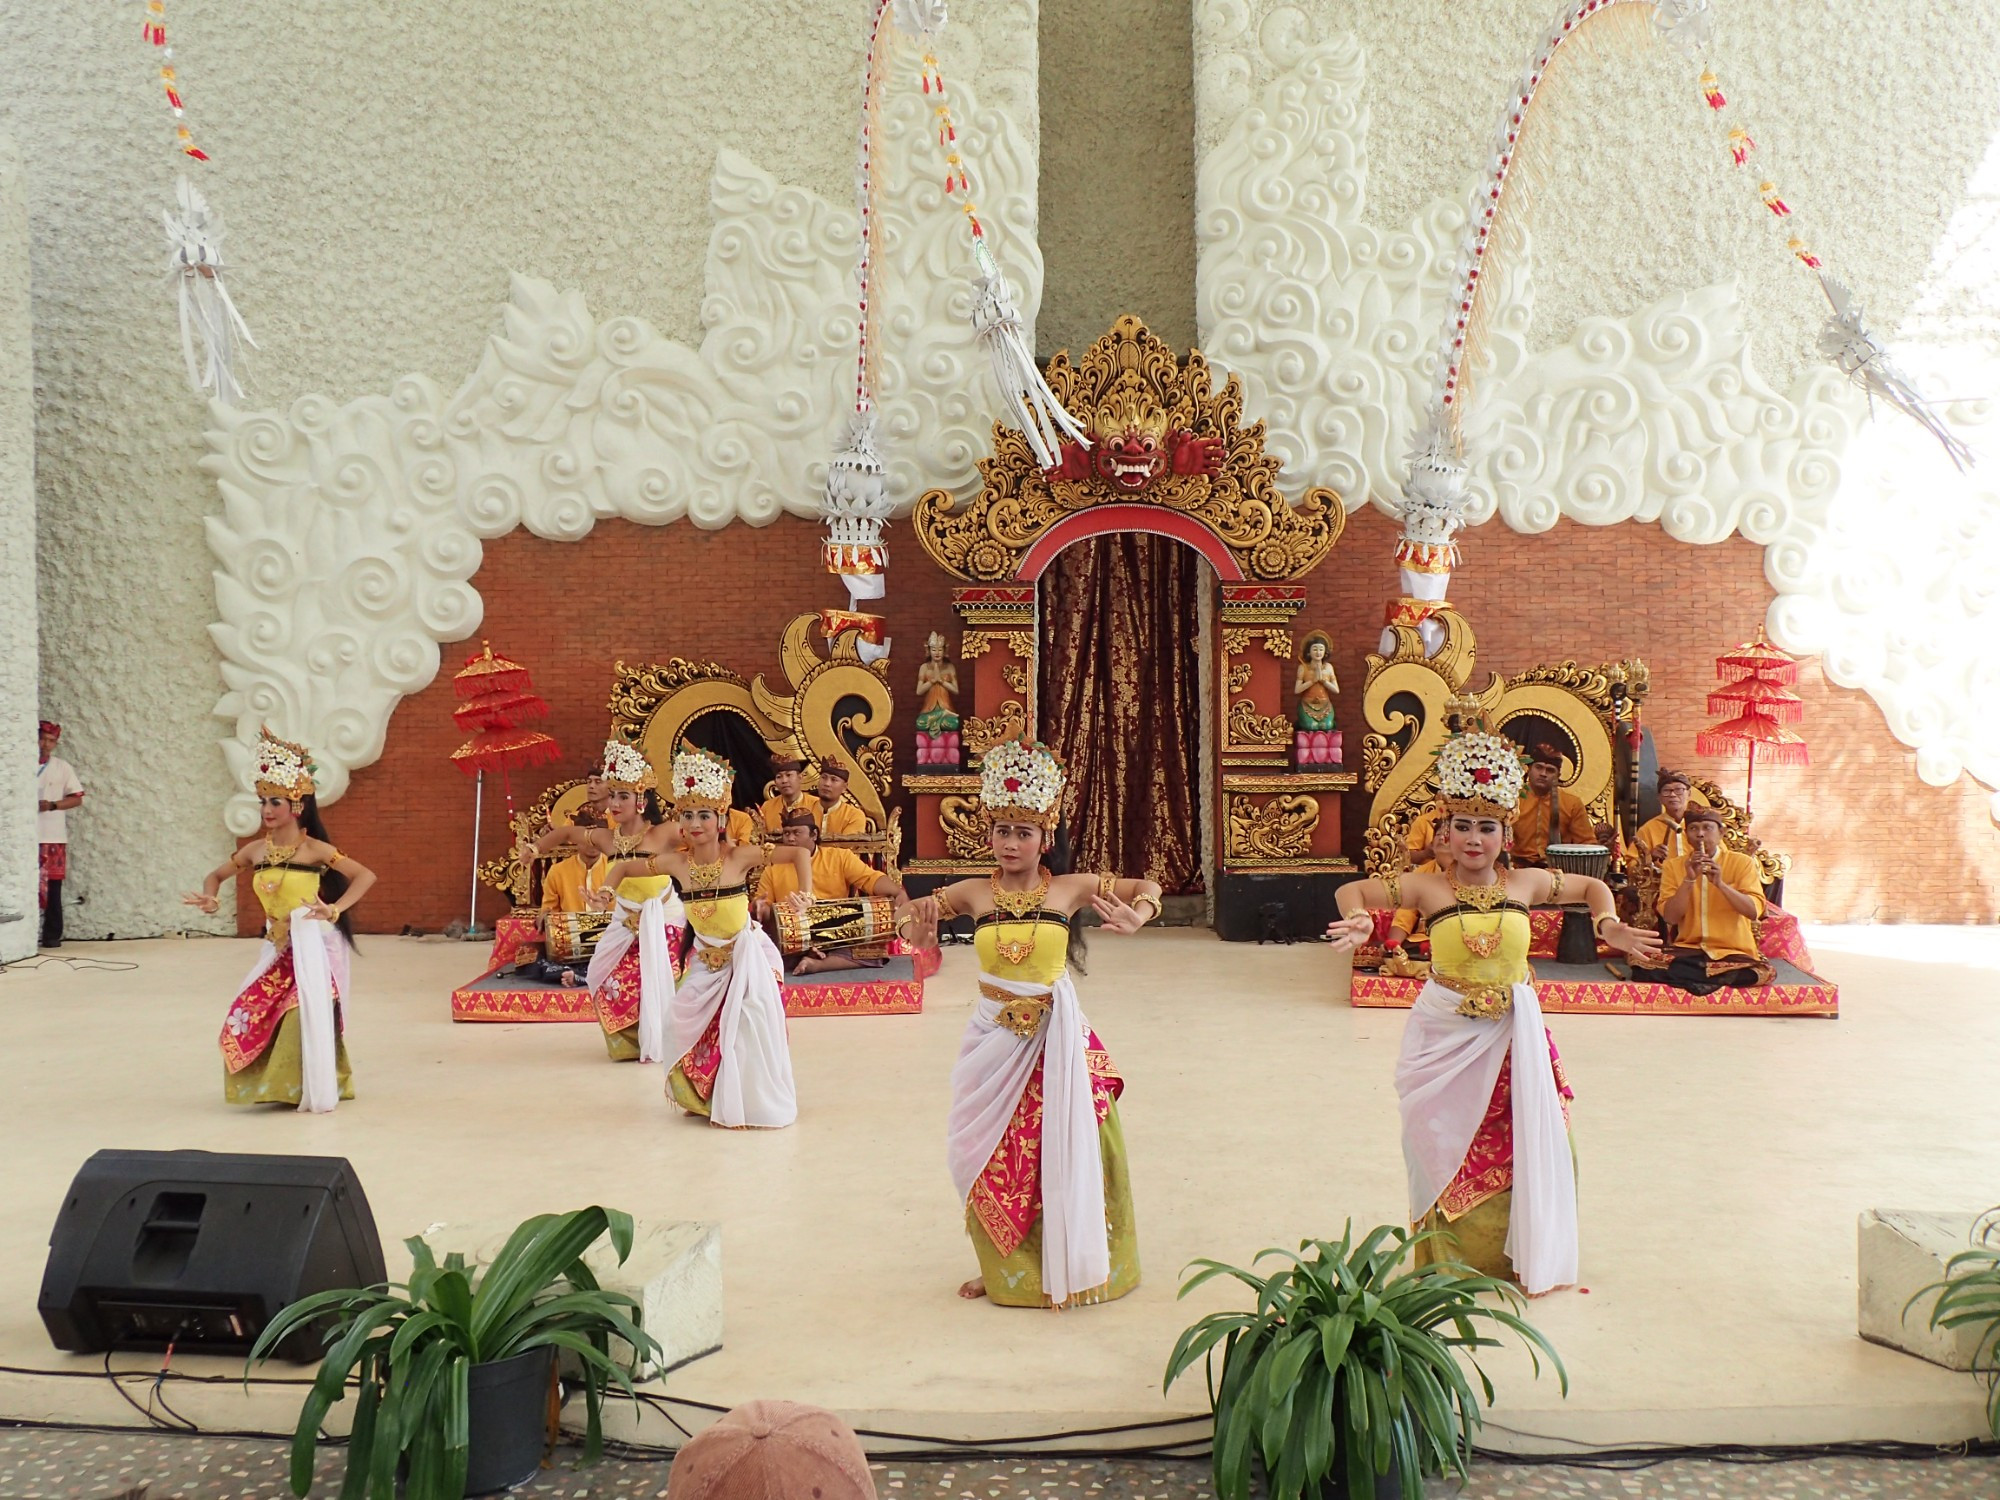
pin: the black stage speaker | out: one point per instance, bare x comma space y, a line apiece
1276, 908
202, 1250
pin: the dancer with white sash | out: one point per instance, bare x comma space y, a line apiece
633, 966
1484, 1099
1034, 1143
283, 1041
722, 1028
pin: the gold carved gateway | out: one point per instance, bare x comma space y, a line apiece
1189, 452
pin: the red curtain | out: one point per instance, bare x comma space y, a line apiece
1121, 702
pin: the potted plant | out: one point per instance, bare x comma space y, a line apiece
1969, 1297
1345, 1380
456, 1368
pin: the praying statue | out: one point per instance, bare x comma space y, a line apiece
937, 718
1315, 741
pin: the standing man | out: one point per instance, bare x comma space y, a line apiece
839, 818
58, 790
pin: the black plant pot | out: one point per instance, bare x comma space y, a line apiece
1388, 1486
507, 1420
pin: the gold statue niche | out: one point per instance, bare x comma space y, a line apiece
1160, 435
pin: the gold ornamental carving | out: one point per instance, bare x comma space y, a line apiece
1378, 759
1236, 639
1016, 677
976, 643
964, 827
1239, 677
837, 710
1170, 439
981, 735
1249, 729
511, 876
1278, 829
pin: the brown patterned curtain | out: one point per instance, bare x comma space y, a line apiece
1121, 702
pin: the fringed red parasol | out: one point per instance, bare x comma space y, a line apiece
1755, 675
498, 697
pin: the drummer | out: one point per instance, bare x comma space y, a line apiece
1549, 815
836, 873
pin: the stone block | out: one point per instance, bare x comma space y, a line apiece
1900, 1253
674, 1272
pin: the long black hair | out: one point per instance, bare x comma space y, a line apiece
650, 808
332, 884
1058, 858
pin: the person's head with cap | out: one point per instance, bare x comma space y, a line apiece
1675, 789
832, 783
773, 1450
1704, 829
48, 733
785, 773
1544, 765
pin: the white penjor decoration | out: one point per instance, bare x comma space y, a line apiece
208, 318
1031, 405
1847, 342
1688, 24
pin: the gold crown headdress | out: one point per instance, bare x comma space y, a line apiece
626, 767
1021, 781
1480, 776
283, 769
702, 779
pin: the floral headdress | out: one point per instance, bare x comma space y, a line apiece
626, 768
701, 779
1021, 781
283, 769
1480, 776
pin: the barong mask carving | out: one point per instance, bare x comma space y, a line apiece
1161, 435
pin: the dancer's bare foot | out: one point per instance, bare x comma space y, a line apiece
973, 1289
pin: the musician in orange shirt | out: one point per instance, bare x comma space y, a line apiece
1712, 897
1549, 815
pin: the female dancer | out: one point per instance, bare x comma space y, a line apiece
725, 1023
1485, 1117
282, 1042
632, 967
1034, 1143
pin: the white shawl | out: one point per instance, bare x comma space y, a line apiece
753, 1082
320, 970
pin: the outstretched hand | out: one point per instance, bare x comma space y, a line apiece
1350, 933
206, 902
917, 921
599, 898
1641, 944
1118, 916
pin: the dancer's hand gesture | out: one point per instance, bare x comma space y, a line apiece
1118, 916
1350, 933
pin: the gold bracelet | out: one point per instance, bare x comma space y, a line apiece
1597, 926
1152, 901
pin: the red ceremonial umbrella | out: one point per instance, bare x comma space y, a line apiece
1754, 676
498, 695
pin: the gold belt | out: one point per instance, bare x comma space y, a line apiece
716, 958
1021, 1014
1478, 999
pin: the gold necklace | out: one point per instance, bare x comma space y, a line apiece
277, 857
623, 847
1019, 905
703, 878
1481, 898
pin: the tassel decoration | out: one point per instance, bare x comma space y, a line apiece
1031, 407
208, 316
1768, 191
1798, 248
1740, 145
1711, 90
1847, 342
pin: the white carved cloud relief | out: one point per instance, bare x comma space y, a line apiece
1659, 415
349, 533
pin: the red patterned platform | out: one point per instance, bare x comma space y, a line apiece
494, 996
1577, 990
896, 989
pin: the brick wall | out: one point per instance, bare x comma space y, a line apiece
1869, 840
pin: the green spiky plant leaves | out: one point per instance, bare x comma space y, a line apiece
1350, 1365
412, 1346
1969, 1297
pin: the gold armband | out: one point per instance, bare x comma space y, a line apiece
1555, 883
1393, 884
945, 910
1107, 884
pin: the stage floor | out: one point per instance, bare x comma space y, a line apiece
1723, 1164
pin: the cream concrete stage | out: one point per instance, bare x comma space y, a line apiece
1724, 1161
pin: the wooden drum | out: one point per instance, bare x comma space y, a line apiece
571, 935
864, 924
1581, 859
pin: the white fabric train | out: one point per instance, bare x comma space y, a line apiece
753, 1083
1445, 1079
320, 970
656, 916
994, 1065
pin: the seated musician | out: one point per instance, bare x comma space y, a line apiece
1549, 815
1663, 838
787, 794
567, 884
1712, 897
840, 817
835, 873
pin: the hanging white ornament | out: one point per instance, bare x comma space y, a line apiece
1846, 341
208, 316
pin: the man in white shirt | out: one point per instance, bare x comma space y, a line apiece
58, 791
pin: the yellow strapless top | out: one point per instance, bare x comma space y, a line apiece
639, 889
718, 916
1050, 934
283, 889
1475, 951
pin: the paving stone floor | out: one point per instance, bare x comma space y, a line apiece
50, 1464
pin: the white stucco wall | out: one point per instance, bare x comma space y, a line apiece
17, 568
381, 170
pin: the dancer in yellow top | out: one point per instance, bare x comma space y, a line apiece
1036, 1151
722, 1029
282, 1042
1485, 1117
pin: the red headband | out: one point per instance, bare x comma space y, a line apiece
51, 727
